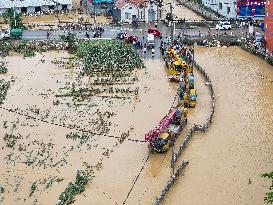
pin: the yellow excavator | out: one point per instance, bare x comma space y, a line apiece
174, 63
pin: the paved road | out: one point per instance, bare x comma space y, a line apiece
111, 32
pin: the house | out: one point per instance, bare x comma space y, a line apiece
268, 25
237, 8
251, 8
32, 6
145, 11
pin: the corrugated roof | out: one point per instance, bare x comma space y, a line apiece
27, 3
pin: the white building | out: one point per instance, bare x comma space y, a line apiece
147, 11
31, 6
227, 8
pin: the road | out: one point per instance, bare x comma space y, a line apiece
111, 32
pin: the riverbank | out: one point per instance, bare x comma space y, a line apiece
248, 45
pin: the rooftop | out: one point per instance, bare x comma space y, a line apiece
121, 3
28, 3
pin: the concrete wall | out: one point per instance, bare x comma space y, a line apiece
215, 5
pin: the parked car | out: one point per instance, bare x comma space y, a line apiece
223, 25
154, 31
131, 39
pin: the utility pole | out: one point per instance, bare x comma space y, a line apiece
14, 15
94, 4
171, 11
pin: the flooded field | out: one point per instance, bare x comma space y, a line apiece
47, 136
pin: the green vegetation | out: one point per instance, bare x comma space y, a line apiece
4, 86
68, 196
108, 56
269, 195
70, 39
3, 67
12, 18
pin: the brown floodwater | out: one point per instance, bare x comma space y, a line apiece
181, 11
225, 162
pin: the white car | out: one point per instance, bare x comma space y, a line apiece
223, 26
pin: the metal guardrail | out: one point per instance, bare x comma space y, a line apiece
170, 182
197, 128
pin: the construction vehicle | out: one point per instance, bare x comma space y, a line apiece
161, 137
191, 81
174, 63
192, 98
189, 69
189, 98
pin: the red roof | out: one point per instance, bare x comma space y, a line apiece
121, 3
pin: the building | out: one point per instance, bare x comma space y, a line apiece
32, 6
268, 25
227, 8
251, 8
237, 8
145, 11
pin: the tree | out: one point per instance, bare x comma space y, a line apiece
9, 15
269, 195
70, 39
57, 10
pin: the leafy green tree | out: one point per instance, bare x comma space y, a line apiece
11, 19
70, 39
269, 195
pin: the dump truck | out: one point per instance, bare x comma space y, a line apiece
13, 33
161, 137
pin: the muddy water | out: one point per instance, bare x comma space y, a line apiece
181, 11
226, 162
36, 84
